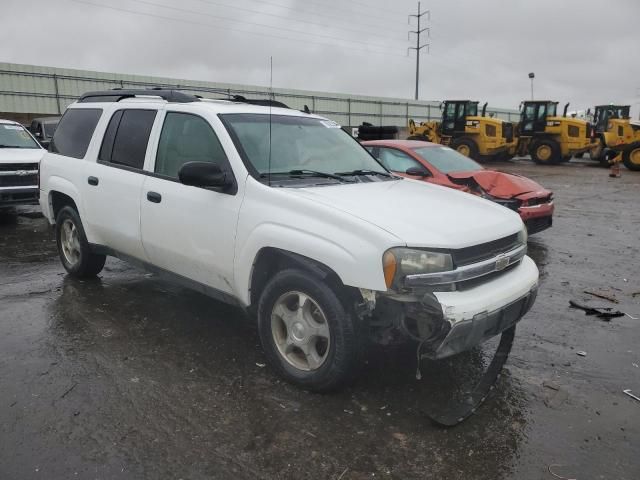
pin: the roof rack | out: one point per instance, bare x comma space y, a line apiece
117, 94
261, 102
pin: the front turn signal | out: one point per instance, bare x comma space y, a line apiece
389, 266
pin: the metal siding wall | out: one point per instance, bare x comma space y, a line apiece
34, 92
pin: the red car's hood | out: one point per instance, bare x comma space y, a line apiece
502, 185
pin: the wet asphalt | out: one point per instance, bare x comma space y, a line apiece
131, 377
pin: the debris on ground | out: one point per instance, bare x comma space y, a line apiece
604, 295
605, 313
554, 396
556, 475
581, 353
628, 392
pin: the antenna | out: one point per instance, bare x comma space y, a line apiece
270, 106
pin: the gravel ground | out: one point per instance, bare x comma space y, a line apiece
132, 377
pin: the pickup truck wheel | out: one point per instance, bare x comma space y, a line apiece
73, 248
307, 334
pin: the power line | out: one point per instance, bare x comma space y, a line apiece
256, 24
316, 14
211, 2
367, 5
209, 25
418, 32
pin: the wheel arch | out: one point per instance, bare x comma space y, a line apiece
270, 260
61, 193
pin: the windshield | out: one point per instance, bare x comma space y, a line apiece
15, 136
298, 143
447, 160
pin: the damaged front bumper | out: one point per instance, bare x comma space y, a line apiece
537, 217
452, 322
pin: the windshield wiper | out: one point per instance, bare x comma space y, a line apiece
15, 146
364, 172
308, 173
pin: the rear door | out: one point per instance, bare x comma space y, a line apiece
189, 231
113, 184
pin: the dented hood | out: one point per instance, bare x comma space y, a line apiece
502, 185
418, 213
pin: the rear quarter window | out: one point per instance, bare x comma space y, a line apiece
74, 132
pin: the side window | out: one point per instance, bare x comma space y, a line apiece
126, 138
186, 138
73, 135
396, 161
542, 112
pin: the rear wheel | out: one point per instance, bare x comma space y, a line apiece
73, 247
545, 151
309, 337
631, 158
466, 146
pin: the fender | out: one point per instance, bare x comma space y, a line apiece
62, 185
344, 263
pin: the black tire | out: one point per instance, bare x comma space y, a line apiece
88, 264
631, 157
466, 144
343, 356
554, 155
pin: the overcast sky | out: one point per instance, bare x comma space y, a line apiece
585, 52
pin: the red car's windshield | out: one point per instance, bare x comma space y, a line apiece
447, 160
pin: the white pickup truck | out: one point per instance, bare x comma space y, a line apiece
20, 155
284, 214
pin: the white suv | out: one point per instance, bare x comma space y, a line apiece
284, 214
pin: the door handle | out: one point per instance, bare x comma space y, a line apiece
93, 181
154, 197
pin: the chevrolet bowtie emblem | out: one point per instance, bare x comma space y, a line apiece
23, 173
502, 262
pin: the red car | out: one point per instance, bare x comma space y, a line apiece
442, 165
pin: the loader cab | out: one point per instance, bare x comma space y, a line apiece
455, 113
533, 116
604, 113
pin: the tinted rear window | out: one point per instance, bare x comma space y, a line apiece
125, 141
74, 132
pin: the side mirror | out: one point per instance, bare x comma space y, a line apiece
203, 175
417, 172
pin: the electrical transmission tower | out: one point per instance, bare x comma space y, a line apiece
418, 32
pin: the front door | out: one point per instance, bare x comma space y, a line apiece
188, 230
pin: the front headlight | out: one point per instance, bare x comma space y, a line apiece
399, 262
523, 236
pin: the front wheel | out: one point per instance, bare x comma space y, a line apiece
309, 337
73, 247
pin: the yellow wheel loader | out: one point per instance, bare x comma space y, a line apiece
612, 130
476, 136
550, 138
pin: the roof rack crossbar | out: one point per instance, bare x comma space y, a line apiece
117, 94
